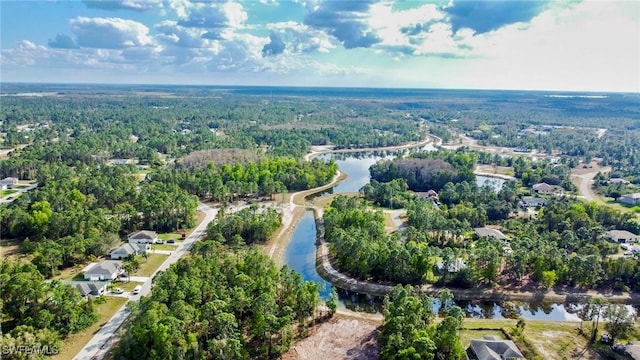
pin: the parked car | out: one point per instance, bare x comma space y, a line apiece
136, 290
124, 275
171, 241
118, 291
160, 242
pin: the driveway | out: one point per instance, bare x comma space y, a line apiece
97, 347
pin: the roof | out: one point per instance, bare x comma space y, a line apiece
483, 231
621, 234
530, 199
543, 187
87, 287
143, 234
9, 180
633, 350
106, 267
491, 348
632, 196
128, 248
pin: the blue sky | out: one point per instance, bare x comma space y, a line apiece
498, 44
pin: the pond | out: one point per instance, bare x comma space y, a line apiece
301, 256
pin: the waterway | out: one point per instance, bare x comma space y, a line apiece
301, 254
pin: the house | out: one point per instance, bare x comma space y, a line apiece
129, 249
93, 288
481, 232
532, 201
493, 348
8, 183
143, 237
453, 267
621, 236
544, 188
616, 181
630, 199
105, 270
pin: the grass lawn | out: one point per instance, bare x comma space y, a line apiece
169, 247
7, 192
169, 236
147, 267
75, 342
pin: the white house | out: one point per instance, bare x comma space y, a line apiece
531, 201
143, 237
8, 183
622, 236
630, 199
129, 249
105, 270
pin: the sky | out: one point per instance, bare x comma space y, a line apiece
569, 45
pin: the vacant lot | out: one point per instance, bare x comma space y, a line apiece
75, 342
340, 338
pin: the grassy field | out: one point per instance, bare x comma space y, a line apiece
169, 247
148, 266
169, 236
75, 342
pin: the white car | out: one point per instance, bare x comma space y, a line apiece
118, 291
136, 290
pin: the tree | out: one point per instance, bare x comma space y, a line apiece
620, 322
332, 303
130, 265
595, 306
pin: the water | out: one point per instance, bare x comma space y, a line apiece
495, 183
301, 255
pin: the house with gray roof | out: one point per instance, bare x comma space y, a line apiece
493, 348
8, 183
104, 270
91, 288
143, 237
630, 199
488, 232
544, 188
621, 236
129, 249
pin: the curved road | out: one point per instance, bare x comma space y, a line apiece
97, 347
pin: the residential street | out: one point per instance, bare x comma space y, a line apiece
96, 347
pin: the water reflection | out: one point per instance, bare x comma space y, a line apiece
301, 252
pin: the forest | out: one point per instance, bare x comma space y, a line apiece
220, 304
102, 162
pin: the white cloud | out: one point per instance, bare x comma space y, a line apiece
586, 46
109, 33
300, 38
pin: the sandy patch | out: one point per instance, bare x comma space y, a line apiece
339, 338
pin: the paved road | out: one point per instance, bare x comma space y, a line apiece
97, 347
